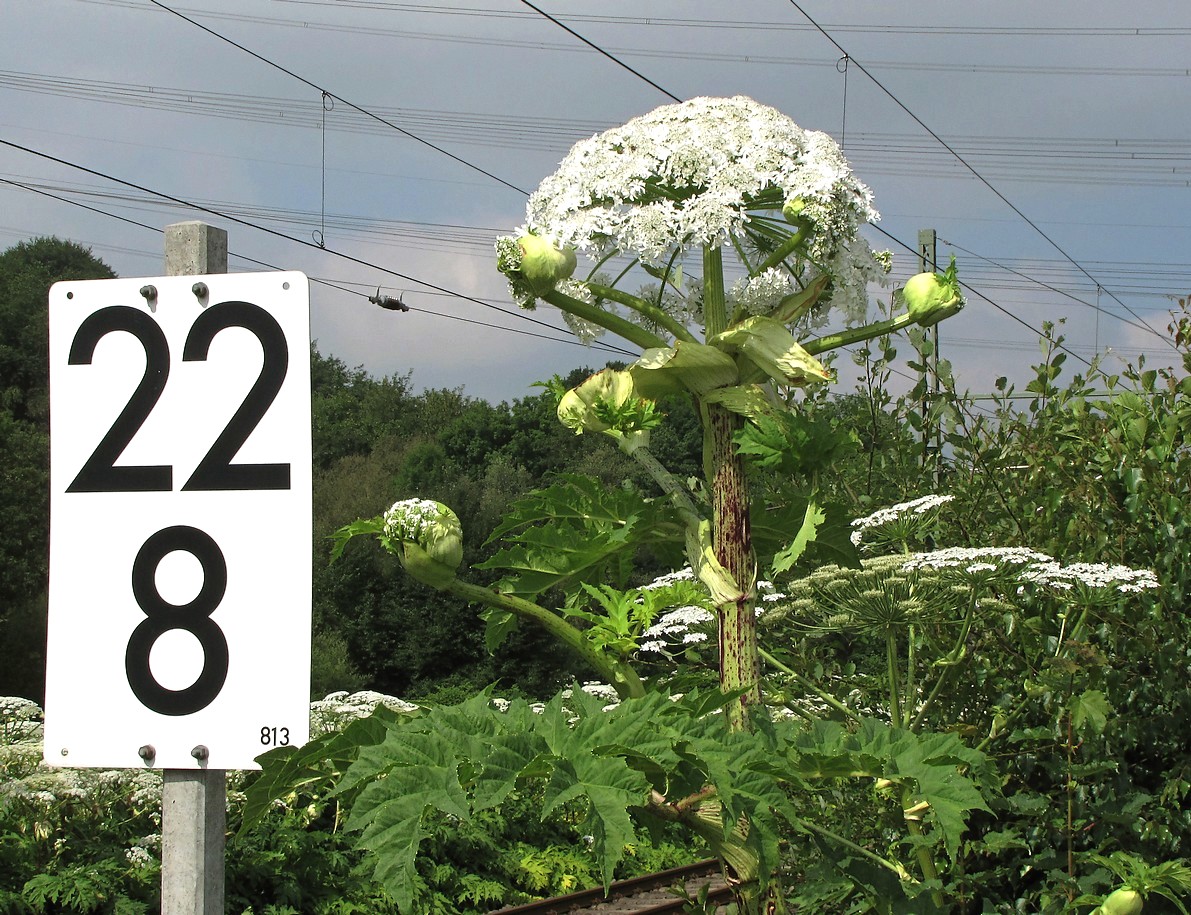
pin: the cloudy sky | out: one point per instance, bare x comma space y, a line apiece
372, 143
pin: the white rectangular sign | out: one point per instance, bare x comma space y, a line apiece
180, 520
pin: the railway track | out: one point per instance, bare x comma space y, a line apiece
649, 895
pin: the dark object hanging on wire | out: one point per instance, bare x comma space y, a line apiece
387, 301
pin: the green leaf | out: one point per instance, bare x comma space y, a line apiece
498, 626
686, 366
750, 400
317, 764
775, 523
1090, 711
772, 348
932, 763
576, 530
812, 519
364, 526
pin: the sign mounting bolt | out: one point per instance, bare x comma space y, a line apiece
200, 290
147, 752
149, 293
200, 752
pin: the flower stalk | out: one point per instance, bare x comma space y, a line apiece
620, 675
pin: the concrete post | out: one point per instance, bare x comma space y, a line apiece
193, 801
195, 248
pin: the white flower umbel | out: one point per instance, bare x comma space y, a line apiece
675, 628
1090, 580
339, 709
976, 565
898, 522
699, 173
761, 294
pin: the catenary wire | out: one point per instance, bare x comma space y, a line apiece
879, 229
1111, 161
641, 76
596, 47
328, 94
1030, 222
310, 244
685, 53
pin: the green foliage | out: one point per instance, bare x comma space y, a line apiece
794, 443
576, 529
603, 767
88, 841
27, 270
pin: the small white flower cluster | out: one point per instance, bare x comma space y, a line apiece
20, 718
896, 513
140, 857
769, 594
663, 581
585, 331
1091, 576
688, 175
761, 294
602, 691
676, 624
340, 708
408, 519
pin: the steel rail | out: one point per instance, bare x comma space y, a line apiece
621, 894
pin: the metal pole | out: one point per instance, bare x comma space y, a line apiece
193, 801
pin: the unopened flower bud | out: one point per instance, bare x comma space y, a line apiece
543, 266
428, 538
792, 210
931, 297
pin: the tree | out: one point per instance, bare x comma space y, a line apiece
27, 270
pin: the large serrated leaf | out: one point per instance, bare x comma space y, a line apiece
610, 788
808, 530
776, 525
576, 530
316, 764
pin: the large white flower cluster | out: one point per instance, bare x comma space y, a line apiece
695, 173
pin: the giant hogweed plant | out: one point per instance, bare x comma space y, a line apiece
744, 230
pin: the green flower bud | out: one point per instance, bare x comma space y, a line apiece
608, 402
1122, 902
542, 264
428, 539
792, 210
931, 297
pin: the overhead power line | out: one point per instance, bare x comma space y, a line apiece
748, 59
1115, 161
755, 25
309, 244
594, 46
326, 93
1009, 203
597, 48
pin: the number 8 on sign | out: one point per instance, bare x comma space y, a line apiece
162, 616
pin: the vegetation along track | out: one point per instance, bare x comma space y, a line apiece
652, 894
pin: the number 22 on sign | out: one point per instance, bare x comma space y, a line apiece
180, 518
